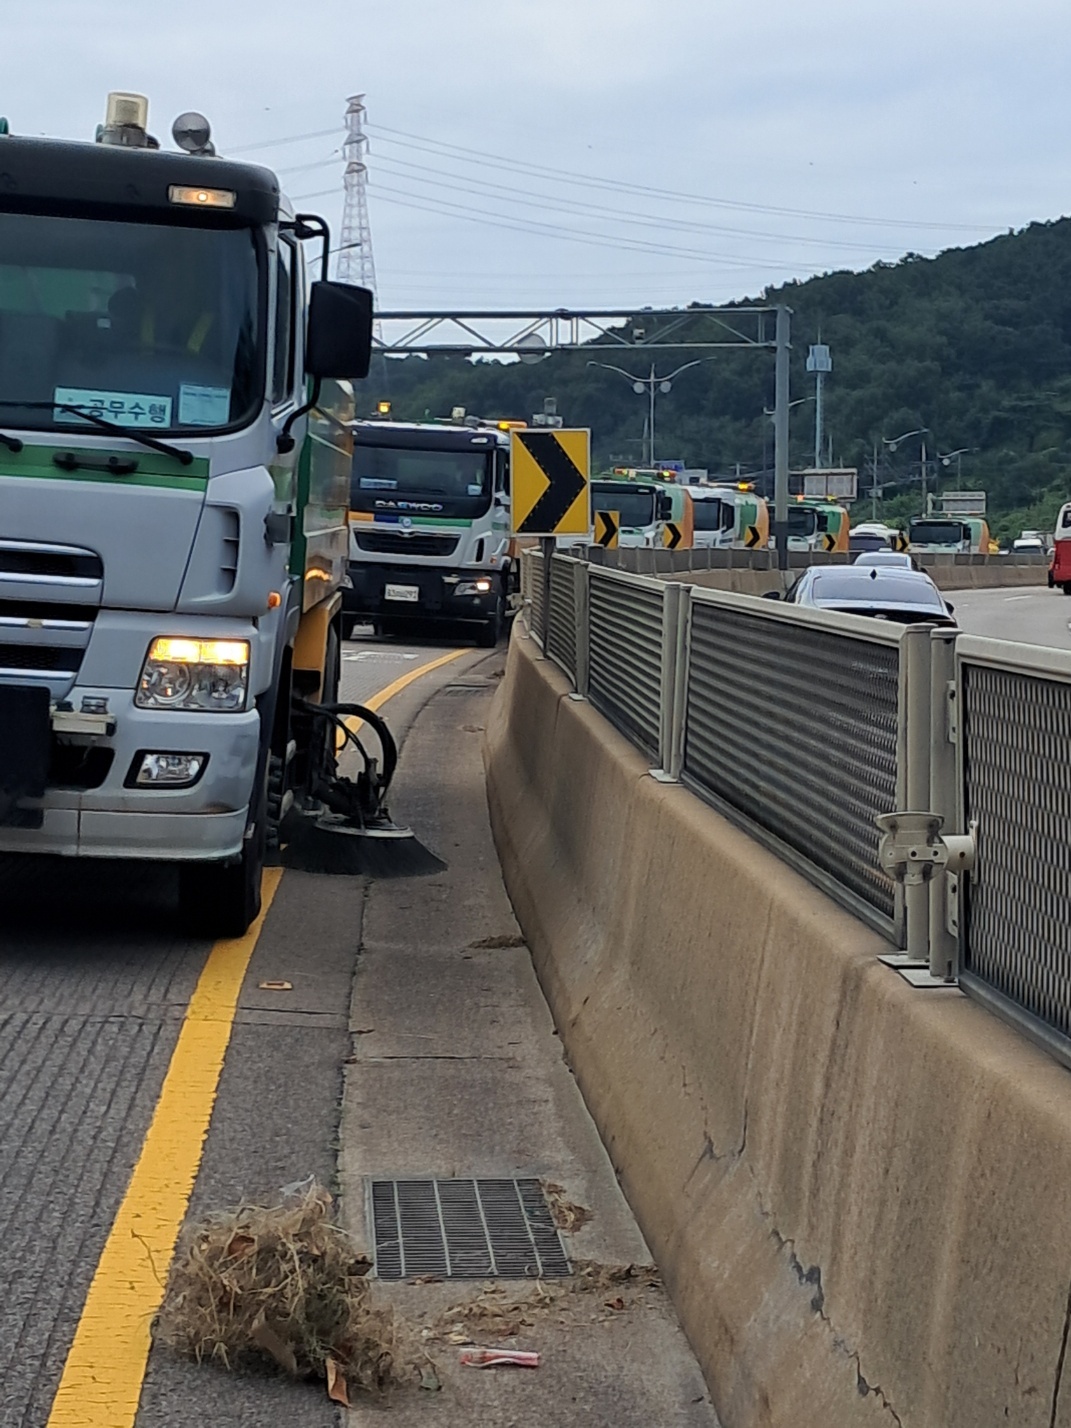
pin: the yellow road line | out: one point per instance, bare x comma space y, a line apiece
105, 1368
376, 702
102, 1378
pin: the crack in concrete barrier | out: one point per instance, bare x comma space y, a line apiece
810, 1276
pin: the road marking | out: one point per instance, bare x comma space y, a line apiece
1009, 598
105, 1368
102, 1378
353, 724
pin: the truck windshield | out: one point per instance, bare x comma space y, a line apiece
802, 521
938, 533
712, 515
402, 478
151, 326
635, 507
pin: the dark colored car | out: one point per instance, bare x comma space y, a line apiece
905, 596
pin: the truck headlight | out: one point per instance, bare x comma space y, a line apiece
199, 675
473, 587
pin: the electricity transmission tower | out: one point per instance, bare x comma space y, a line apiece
355, 262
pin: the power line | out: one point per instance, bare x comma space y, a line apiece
290, 139
449, 180
571, 176
402, 198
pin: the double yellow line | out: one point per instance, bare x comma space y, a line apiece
105, 1368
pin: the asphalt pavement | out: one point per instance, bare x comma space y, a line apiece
94, 985
95, 990
1031, 617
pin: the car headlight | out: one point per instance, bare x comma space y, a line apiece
200, 675
473, 587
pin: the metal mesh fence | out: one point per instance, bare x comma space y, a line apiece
625, 673
1016, 744
561, 627
795, 727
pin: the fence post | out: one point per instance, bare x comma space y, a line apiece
671, 712
548, 545
915, 718
944, 944
583, 626
680, 685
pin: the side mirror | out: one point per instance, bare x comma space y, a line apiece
771, 595
339, 341
950, 607
665, 508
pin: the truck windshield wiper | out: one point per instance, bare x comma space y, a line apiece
11, 442
114, 428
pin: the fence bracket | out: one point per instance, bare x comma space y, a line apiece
913, 852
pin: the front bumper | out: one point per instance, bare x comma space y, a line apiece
110, 820
437, 587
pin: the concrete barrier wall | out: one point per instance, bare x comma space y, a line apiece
753, 572
860, 1194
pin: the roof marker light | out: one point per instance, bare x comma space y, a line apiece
202, 197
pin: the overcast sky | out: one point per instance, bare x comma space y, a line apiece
883, 125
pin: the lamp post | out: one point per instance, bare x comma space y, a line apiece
922, 431
771, 412
945, 458
651, 384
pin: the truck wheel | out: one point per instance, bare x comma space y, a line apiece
1066, 587
491, 631
223, 899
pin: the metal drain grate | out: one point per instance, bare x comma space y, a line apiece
465, 1229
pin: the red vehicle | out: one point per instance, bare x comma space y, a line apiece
1060, 565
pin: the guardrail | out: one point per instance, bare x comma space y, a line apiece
805, 728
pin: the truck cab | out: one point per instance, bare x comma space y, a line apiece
173, 478
818, 525
728, 518
429, 511
937, 534
643, 507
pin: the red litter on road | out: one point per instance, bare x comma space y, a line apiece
498, 1358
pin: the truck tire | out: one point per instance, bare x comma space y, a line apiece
1066, 587
223, 899
491, 631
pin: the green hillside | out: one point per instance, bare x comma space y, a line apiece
974, 344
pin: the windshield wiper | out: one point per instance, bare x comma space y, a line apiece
114, 428
11, 442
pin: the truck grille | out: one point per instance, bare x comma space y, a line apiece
387, 543
49, 596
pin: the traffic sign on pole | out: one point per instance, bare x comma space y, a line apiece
549, 478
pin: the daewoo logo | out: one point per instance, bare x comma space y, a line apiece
409, 505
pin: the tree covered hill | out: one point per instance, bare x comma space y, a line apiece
974, 345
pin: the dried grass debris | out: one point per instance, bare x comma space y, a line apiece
283, 1283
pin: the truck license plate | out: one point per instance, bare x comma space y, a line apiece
402, 592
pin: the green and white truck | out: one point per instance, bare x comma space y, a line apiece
174, 476
430, 526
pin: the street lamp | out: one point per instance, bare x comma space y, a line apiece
772, 414
945, 459
922, 431
651, 384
